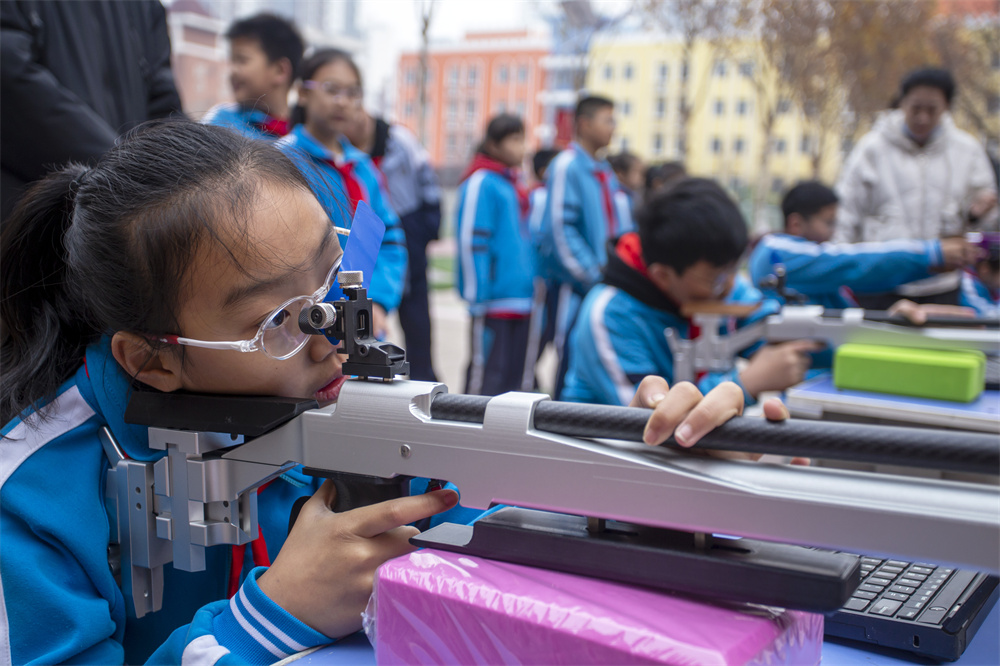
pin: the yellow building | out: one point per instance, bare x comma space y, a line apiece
729, 93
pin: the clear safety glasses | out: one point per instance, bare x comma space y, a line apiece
279, 336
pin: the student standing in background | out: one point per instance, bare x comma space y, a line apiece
494, 267
580, 217
340, 174
264, 53
415, 195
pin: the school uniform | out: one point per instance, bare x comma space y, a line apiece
620, 334
581, 215
973, 293
250, 122
339, 183
829, 274
494, 275
60, 600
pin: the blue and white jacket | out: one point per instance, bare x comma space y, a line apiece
620, 336
575, 226
827, 273
976, 295
328, 185
251, 123
494, 270
60, 601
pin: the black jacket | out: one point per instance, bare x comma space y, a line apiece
75, 75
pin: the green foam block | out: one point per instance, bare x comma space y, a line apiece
956, 375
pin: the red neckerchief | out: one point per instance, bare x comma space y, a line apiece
258, 555
481, 161
629, 250
609, 203
355, 192
274, 126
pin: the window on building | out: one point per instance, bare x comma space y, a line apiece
521, 108
681, 146
657, 144
662, 73
660, 110
522, 74
409, 110
779, 146
716, 146
501, 107
470, 110
736, 184
746, 68
993, 104
742, 107
719, 69
452, 109
805, 146
784, 106
624, 144
473, 75
628, 71
777, 185
451, 143
411, 76
453, 75
720, 107
685, 70
503, 74
609, 72
738, 145
626, 108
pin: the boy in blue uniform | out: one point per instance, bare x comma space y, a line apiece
828, 274
340, 174
580, 216
494, 269
686, 251
264, 55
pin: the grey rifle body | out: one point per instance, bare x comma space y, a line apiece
203, 492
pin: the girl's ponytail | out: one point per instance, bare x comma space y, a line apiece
44, 333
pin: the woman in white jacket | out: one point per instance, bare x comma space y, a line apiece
917, 176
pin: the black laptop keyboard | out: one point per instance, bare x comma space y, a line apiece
918, 592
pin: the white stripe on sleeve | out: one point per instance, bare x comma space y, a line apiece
605, 350
468, 229
569, 260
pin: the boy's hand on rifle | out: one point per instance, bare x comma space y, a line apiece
682, 411
324, 573
776, 367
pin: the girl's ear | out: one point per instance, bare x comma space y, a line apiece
141, 361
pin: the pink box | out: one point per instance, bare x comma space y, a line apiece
434, 607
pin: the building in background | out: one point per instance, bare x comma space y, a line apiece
200, 51
469, 82
645, 73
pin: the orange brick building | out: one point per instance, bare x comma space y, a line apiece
468, 83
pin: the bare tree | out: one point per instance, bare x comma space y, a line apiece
694, 21
426, 14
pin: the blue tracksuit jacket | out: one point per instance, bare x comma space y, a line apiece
62, 603
494, 269
976, 295
574, 229
827, 273
59, 598
251, 123
328, 185
620, 337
